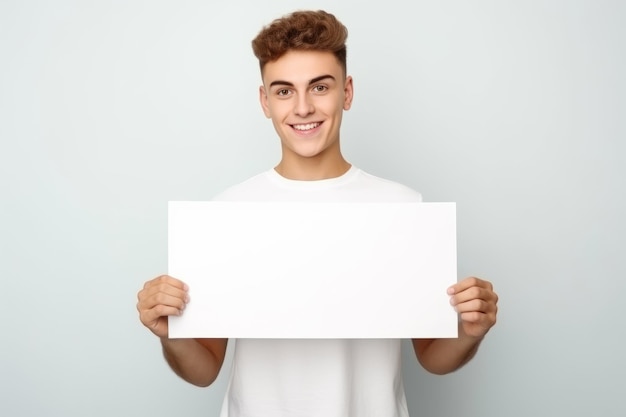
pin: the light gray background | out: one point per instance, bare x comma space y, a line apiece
515, 110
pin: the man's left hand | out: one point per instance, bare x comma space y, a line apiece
477, 305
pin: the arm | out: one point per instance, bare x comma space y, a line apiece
197, 361
476, 303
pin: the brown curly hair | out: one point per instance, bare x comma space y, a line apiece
305, 30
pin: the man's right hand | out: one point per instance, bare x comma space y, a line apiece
161, 297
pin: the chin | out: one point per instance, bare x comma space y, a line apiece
305, 151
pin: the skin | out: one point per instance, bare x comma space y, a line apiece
305, 94
476, 302
305, 89
198, 361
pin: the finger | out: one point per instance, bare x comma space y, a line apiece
476, 305
151, 316
166, 284
166, 279
163, 288
161, 298
468, 283
485, 320
474, 293
147, 300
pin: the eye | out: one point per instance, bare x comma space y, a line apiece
319, 88
282, 92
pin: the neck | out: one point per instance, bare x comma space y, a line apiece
312, 169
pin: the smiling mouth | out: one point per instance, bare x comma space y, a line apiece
306, 126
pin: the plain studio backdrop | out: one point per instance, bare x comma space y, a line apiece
514, 110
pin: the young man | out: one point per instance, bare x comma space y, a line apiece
305, 91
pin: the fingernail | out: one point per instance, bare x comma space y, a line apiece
451, 290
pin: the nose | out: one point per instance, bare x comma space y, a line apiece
303, 105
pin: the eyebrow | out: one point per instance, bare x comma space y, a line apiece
312, 81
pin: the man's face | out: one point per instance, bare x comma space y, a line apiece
305, 94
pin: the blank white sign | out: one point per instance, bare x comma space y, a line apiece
314, 270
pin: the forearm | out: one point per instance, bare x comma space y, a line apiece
442, 356
191, 360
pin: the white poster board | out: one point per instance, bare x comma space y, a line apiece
314, 270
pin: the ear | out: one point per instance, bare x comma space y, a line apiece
264, 103
348, 91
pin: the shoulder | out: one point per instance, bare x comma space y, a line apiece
245, 190
386, 189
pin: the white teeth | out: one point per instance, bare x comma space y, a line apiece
308, 126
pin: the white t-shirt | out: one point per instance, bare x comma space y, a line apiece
317, 377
